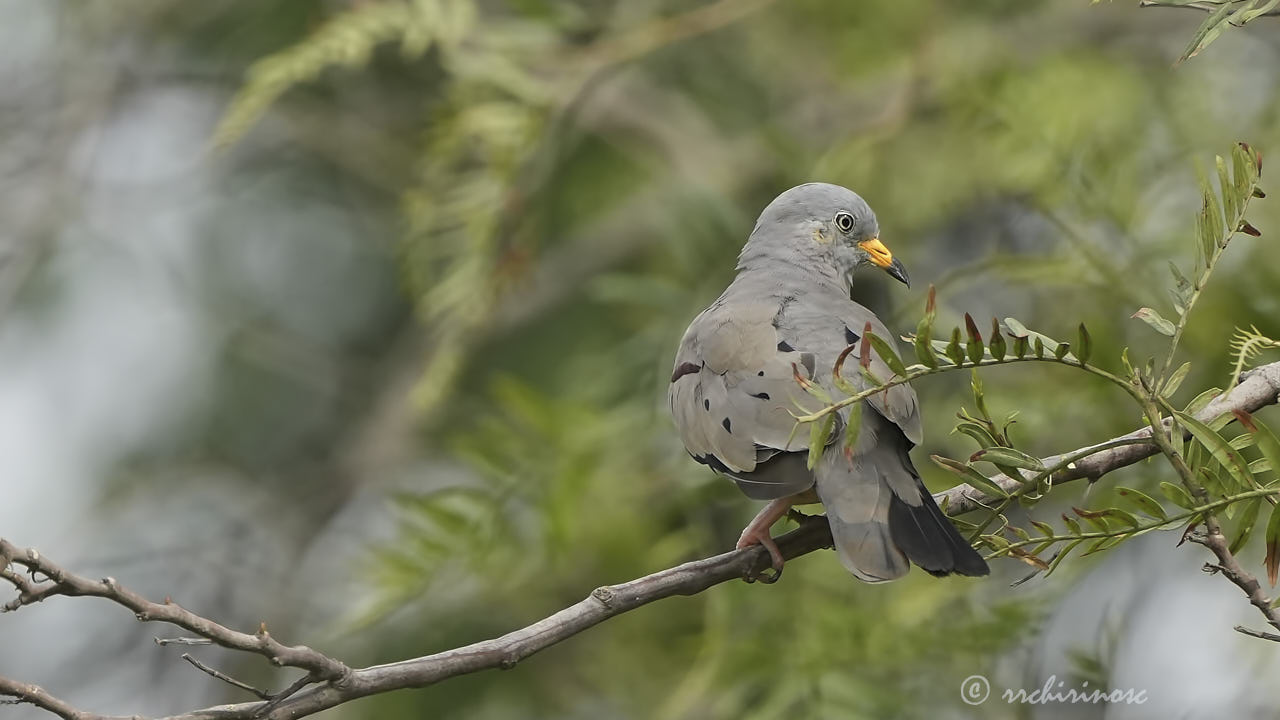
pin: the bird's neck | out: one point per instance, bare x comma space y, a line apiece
806, 267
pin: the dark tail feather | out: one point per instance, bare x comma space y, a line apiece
930, 540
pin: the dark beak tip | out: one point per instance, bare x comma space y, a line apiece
899, 272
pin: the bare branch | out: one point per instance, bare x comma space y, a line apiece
504, 652
61, 582
36, 695
1230, 568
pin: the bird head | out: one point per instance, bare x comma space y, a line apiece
821, 220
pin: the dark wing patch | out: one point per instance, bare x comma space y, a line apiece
685, 369
761, 396
728, 426
784, 347
850, 336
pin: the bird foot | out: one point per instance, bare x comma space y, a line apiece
760, 536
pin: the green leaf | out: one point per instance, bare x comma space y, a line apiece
1153, 318
974, 345
1008, 456
1142, 501
1096, 518
1268, 442
1177, 495
1084, 345
971, 476
924, 349
1201, 401
1272, 561
995, 542
1246, 14
996, 345
853, 425
1101, 544
1242, 441
953, 351
1230, 197
1072, 524
924, 332
1020, 347
1043, 527
1182, 286
819, 433
1213, 219
1221, 450
1062, 350
886, 353
1245, 526
980, 434
1039, 347
1244, 167
1207, 32
1175, 380
1062, 555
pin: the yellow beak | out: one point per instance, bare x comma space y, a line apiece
880, 254
882, 258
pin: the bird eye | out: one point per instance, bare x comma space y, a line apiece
844, 221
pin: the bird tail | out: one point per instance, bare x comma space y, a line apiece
882, 516
929, 539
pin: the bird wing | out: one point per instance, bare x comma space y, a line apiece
733, 393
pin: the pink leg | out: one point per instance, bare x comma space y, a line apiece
757, 531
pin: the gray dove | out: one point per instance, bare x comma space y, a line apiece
734, 388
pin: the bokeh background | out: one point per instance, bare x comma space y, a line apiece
356, 318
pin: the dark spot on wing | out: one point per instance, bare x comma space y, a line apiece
711, 461
761, 373
762, 396
706, 404
850, 336
784, 347
685, 369
728, 427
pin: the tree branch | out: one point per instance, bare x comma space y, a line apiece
333, 683
1259, 388
1231, 570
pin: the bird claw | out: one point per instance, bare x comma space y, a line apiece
762, 538
764, 577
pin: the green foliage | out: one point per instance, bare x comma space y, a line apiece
579, 182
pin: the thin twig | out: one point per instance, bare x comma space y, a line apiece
273, 701
225, 677
1258, 633
182, 641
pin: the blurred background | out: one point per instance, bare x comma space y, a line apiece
356, 318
